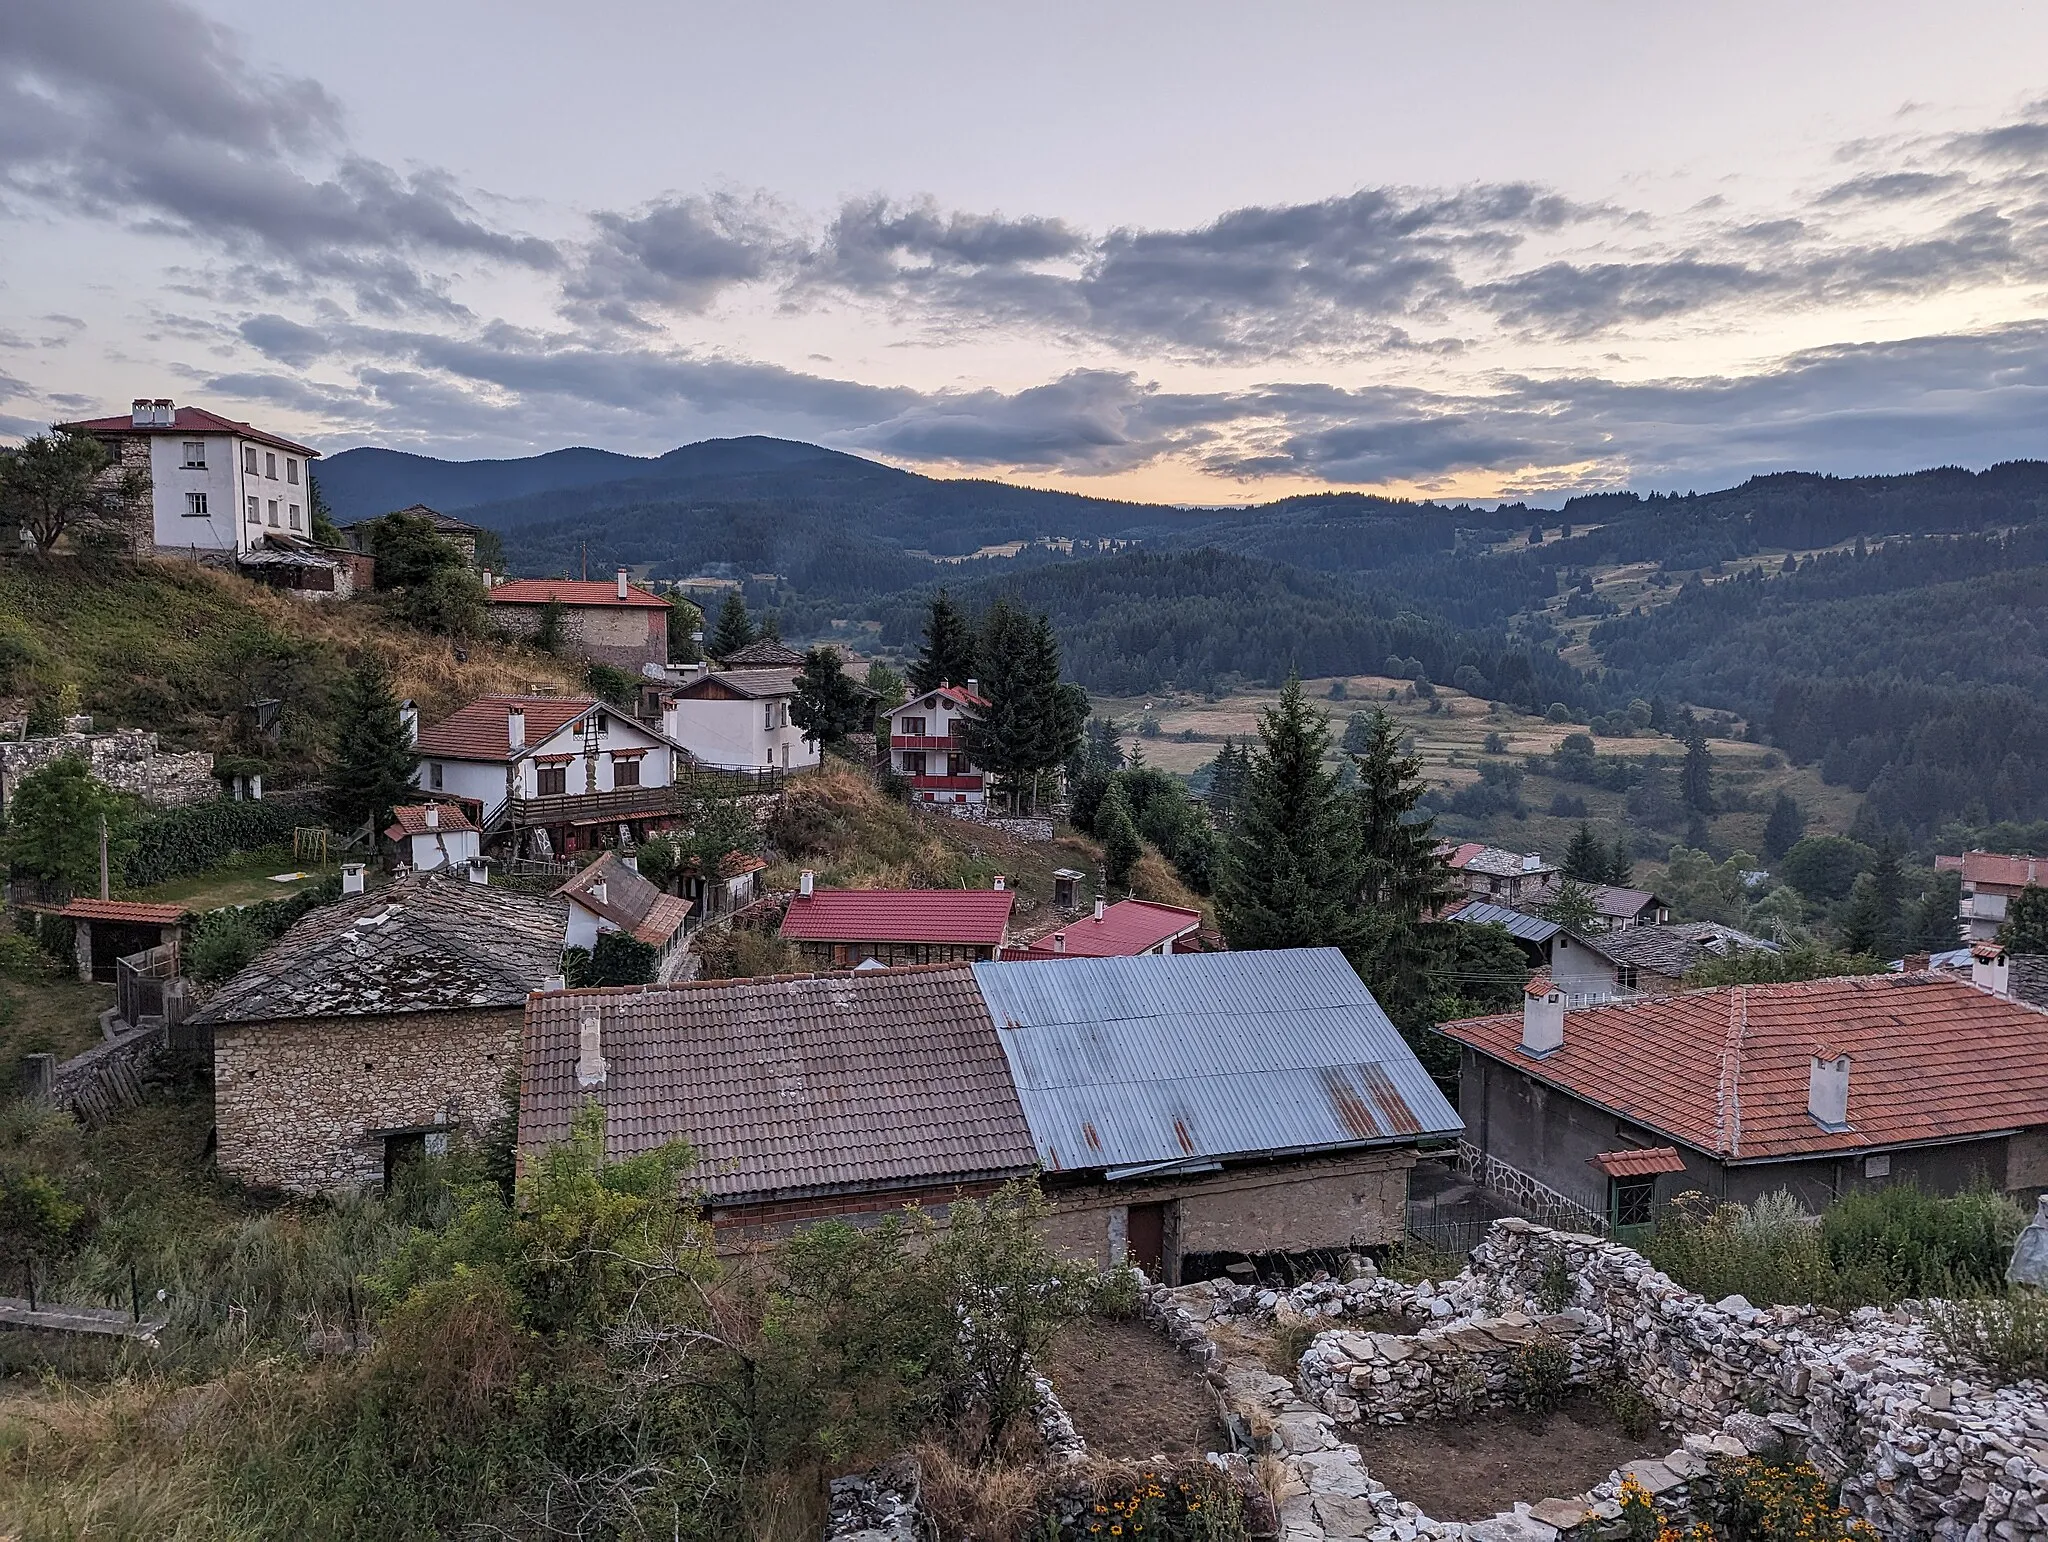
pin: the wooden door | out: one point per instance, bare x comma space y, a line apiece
1145, 1239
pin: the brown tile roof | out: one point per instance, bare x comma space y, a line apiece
737, 864
574, 591
789, 1086
631, 903
973, 916
192, 420
1646, 1163
411, 819
133, 912
759, 683
426, 943
1726, 1071
477, 731
2003, 871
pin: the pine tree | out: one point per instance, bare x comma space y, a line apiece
1290, 873
1621, 866
949, 652
1935, 925
1866, 928
1585, 859
1401, 881
1786, 825
370, 771
828, 706
1570, 905
2026, 921
1696, 779
733, 630
1033, 722
1226, 784
1118, 832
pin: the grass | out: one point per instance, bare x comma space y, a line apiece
57, 1017
246, 880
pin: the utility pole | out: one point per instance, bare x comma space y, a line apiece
106, 888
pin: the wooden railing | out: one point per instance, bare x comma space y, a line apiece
624, 803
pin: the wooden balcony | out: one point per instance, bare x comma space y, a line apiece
923, 742
931, 783
627, 803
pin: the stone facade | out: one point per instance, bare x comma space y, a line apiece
127, 760
625, 636
304, 1104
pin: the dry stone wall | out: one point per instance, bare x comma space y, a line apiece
127, 760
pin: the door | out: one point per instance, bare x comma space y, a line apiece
401, 1152
1145, 1240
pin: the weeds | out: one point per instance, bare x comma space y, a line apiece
1290, 1341
1634, 1413
1554, 1286
2007, 1335
1542, 1375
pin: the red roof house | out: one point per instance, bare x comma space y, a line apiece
1126, 929
616, 623
843, 928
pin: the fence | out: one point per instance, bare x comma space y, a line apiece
39, 893
1529, 1196
147, 989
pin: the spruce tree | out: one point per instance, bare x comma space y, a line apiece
1401, 880
1290, 873
1786, 825
1621, 865
370, 770
1034, 722
949, 653
1585, 859
1696, 779
828, 706
733, 630
1570, 905
1118, 832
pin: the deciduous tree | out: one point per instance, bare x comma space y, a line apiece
52, 485
53, 825
2026, 921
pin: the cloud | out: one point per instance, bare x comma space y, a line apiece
679, 253
148, 114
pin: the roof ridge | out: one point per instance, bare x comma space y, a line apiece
655, 987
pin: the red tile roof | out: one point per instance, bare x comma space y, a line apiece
477, 731
2006, 872
1726, 1071
1646, 1163
1127, 928
191, 420
571, 591
411, 819
971, 916
133, 912
737, 864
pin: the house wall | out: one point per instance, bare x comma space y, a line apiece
624, 635
485, 781
1553, 1136
481, 781
846, 955
441, 849
170, 481
294, 1100
734, 735
268, 489
1295, 1204
941, 721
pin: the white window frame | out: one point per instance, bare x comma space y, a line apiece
249, 460
255, 510
291, 470
195, 506
195, 454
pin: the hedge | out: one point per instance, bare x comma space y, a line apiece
179, 842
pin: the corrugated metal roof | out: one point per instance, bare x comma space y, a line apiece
1526, 928
1120, 1062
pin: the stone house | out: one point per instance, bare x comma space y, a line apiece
459, 533
1822, 1087
1502, 877
375, 1029
1196, 1107
840, 928
1653, 960
618, 623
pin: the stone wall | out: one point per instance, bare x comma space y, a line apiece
295, 1101
127, 760
625, 636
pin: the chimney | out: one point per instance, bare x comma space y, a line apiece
487, 578
1531, 862
351, 878
1827, 1092
973, 686
409, 720
1101, 907
140, 413
163, 412
515, 727
433, 816
597, 891
806, 883
1542, 1018
631, 859
1059, 942
1990, 969
479, 871
590, 1061
554, 982
1916, 963
622, 583
1002, 883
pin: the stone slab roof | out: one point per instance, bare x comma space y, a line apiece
1672, 950
427, 943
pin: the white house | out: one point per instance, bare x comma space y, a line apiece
738, 720
611, 896
215, 485
431, 836
565, 764
925, 747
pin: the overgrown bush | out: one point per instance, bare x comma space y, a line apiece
1542, 1375
23, 960
220, 945
178, 842
1116, 1297
1923, 1246
1625, 1403
617, 959
1756, 1500
1290, 1341
1193, 1502
2007, 1334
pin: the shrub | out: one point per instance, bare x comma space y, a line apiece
1554, 1287
1289, 1343
1769, 1253
175, 843
221, 944
21, 959
1542, 1375
1918, 1245
2007, 1335
1625, 1403
616, 960
1750, 1501
1116, 1296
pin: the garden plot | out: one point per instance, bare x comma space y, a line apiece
1132, 1394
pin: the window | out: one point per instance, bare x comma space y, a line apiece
913, 762
1634, 1201
626, 773
434, 775
249, 459
552, 781
195, 505
255, 512
913, 727
273, 513
293, 512
270, 467
291, 471
1625, 977
195, 454
774, 715
957, 765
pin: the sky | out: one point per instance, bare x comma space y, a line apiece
1206, 253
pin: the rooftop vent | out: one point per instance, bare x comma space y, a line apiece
351, 878
433, 816
590, 1062
479, 871
1002, 883
806, 883
141, 413
515, 727
163, 412
1059, 942
622, 583
1101, 907
597, 891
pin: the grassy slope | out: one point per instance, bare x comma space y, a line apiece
179, 648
